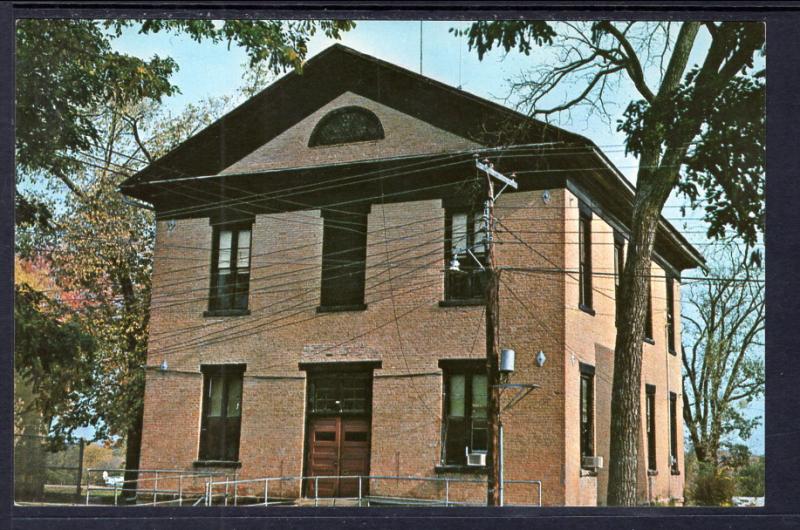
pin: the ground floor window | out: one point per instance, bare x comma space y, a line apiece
587, 411
222, 412
673, 438
466, 428
650, 409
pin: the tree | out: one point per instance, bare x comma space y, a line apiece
750, 479
53, 355
87, 117
722, 358
105, 249
684, 127
67, 69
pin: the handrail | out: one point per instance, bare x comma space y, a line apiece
446, 481
172, 474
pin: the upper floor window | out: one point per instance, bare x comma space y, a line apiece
466, 428
587, 411
346, 124
344, 253
585, 257
230, 267
671, 315
619, 265
465, 238
222, 412
648, 316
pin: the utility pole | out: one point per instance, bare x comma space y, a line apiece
492, 333
492, 349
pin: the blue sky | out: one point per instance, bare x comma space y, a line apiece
208, 70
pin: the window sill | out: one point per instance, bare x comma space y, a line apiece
458, 468
226, 313
462, 303
341, 308
652, 472
648, 340
217, 463
586, 309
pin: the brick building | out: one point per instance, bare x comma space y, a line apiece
304, 320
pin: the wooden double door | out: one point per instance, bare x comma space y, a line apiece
338, 446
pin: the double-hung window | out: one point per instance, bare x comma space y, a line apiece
650, 420
619, 265
465, 234
648, 317
587, 411
673, 435
585, 258
466, 428
230, 268
222, 412
671, 315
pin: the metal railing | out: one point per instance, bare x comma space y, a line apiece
266, 485
183, 481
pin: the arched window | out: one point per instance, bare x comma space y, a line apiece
346, 124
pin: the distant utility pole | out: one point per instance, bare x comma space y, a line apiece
492, 332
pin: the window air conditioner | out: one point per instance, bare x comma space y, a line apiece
476, 459
592, 462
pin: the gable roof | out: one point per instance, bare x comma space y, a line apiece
332, 72
338, 70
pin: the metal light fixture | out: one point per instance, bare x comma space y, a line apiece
164, 366
454, 265
540, 358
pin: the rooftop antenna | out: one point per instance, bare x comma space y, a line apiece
420, 47
460, 45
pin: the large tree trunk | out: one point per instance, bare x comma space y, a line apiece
626, 389
132, 453
653, 186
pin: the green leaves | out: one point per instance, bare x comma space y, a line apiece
509, 34
67, 71
725, 169
54, 356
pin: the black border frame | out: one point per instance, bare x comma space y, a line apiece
783, 368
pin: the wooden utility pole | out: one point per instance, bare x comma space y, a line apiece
494, 491
492, 349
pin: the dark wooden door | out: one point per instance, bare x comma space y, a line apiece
338, 447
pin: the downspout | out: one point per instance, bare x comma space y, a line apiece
669, 406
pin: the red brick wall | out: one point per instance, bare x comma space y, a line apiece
404, 327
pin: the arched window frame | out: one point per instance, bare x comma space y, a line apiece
375, 127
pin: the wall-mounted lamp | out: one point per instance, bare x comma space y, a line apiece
540, 358
164, 366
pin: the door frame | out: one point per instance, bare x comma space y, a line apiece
316, 369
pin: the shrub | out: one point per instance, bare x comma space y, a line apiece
712, 486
